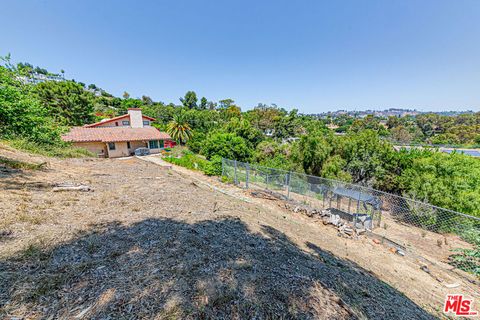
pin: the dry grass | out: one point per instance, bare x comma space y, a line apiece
16, 164
149, 243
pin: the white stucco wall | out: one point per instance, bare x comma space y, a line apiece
114, 123
97, 148
121, 150
136, 119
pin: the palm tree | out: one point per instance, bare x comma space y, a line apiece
179, 129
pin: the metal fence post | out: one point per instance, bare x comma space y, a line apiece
358, 203
324, 195
235, 180
358, 210
379, 217
287, 176
370, 202
223, 167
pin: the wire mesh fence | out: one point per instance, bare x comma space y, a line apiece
412, 224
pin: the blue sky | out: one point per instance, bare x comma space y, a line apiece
312, 55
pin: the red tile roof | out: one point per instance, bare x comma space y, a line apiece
114, 134
114, 119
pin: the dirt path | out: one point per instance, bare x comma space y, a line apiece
154, 243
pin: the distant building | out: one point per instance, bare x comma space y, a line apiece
392, 112
269, 132
35, 78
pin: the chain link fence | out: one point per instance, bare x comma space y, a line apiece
413, 225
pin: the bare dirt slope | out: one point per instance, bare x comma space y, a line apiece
153, 243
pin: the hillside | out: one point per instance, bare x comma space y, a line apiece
34, 115
166, 243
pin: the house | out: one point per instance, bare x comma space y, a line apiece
120, 136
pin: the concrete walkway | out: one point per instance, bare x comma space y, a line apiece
155, 158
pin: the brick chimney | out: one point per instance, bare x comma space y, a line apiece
136, 120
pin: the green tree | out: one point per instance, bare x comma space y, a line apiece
190, 100
311, 151
243, 128
195, 144
179, 129
265, 117
161, 112
68, 102
450, 181
370, 122
366, 156
225, 103
333, 169
211, 105
202, 120
22, 114
203, 103
146, 100
286, 126
401, 134
227, 145
230, 112
270, 153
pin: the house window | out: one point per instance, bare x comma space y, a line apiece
116, 123
153, 144
126, 123
128, 144
162, 145
146, 122
111, 146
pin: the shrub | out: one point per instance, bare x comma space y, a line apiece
21, 113
214, 167
189, 161
196, 142
227, 145
450, 181
196, 162
467, 260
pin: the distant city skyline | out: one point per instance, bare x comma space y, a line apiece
315, 56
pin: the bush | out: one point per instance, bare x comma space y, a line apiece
227, 145
467, 260
195, 144
21, 113
449, 181
195, 162
189, 161
214, 167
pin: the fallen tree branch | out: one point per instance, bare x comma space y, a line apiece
81, 188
